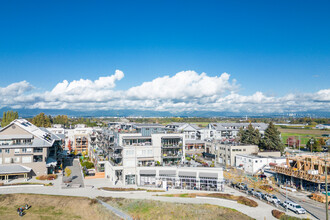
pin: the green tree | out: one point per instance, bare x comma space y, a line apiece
272, 140
8, 117
61, 119
249, 135
41, 120
316, 146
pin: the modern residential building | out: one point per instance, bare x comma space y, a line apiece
25, 147
228, 131
148, 129
252, 164
226, 152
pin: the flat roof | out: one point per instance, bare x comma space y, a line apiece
14, 168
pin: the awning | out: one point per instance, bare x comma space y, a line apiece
208, 175
171, 137
51, 162
148, 172
167, 173
189, 174
14, 169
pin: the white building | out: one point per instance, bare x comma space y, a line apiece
252, 164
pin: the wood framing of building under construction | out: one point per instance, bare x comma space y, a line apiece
308, 168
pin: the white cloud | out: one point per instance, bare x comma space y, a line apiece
184, 91
183, 85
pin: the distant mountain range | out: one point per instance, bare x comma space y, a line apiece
26, 113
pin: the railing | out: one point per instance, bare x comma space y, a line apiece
171, 146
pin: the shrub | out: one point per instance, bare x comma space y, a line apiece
87, 164
277, 214
47, 177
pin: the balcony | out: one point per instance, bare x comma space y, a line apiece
173, 146
170, 156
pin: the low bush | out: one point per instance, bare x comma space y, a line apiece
240, 199
47, 177
121, 189
87, 164
277, 214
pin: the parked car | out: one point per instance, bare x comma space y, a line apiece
294, 207
272, 199
242, 186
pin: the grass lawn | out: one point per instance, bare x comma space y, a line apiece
305, 134
51, 207
149, 209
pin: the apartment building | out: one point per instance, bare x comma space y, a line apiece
227, 152
27, 150
252, 164
228, 131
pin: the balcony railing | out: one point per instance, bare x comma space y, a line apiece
171, 146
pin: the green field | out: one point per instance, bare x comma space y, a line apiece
303, 137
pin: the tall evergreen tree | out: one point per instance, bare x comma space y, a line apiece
249, 135
272, 139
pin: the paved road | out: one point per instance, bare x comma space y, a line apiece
316, 208
76, 174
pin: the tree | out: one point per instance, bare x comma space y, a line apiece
41, 120
316, 147
250, 135
8, 117
67, 171
61, 119
272, 140
322, 142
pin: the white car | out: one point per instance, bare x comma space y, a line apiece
294, 207
273, 199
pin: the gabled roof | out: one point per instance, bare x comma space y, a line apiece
46, 136
189, 127
236, 126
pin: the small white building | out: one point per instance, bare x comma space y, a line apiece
252, 164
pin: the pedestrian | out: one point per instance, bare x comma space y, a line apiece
18, 210
26, 207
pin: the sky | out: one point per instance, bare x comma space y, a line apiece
254, 56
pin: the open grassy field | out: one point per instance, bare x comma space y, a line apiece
305, 134
316, 132
149, 209
50, 207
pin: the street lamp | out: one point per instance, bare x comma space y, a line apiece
326, 186
311, 144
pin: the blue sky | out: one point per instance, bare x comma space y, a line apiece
274, 47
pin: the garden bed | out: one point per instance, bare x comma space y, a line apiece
240, 199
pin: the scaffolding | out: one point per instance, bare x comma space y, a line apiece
308, 168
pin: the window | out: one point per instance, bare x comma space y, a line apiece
16, 159
0, 160
256, 161
26, 159
17, 151
7, 160
0, 151
37, 158
37, 150
7, 151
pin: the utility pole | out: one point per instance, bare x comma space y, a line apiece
326, 188
311, 142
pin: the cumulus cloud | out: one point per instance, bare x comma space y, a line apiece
184, 91
183, 85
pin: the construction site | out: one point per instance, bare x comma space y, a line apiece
306, 172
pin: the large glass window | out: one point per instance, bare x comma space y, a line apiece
130, 179
37, 158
